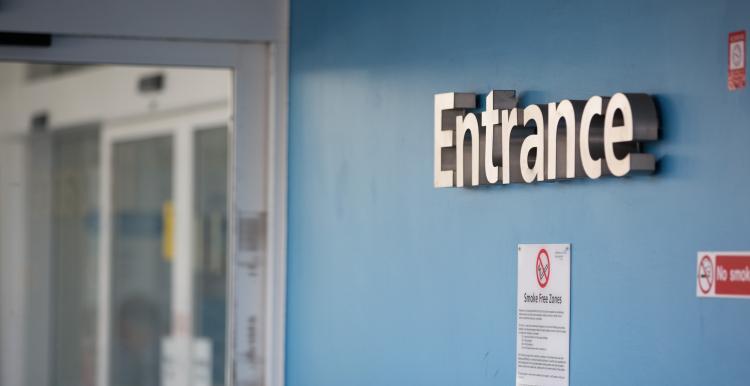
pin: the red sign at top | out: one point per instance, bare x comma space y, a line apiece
736, 76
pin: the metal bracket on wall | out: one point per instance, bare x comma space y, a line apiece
25, 39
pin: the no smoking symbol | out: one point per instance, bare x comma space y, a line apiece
705, 274
542, 268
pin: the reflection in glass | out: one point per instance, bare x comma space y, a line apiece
210, 252
75, 172
65, 320
140, 271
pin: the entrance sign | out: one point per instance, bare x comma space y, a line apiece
723, 274
543, 315
571, 139
737, 78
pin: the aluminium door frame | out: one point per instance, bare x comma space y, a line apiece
258, 161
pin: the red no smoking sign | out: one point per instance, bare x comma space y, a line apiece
736, 75
723, 274
542, 268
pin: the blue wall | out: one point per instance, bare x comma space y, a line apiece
393, 282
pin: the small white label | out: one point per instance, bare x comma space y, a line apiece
543, 315
185, 361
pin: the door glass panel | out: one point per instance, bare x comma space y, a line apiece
75, 182
111, 275
141, 258
210, 249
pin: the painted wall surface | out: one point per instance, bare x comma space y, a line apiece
393, 282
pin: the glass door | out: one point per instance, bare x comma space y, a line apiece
78, 224
163, 245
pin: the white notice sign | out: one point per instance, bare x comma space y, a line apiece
543, 315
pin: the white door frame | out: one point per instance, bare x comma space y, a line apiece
257, 166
